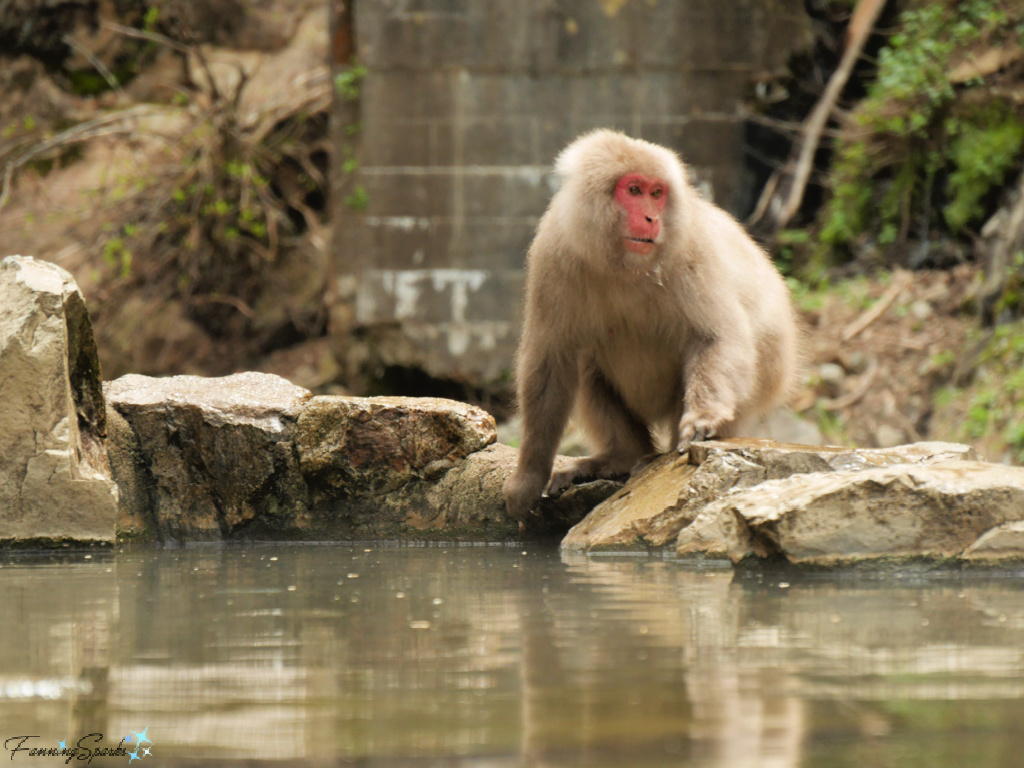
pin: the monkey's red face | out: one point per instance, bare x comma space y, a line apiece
642, 199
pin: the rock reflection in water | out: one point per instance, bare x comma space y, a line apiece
499, 656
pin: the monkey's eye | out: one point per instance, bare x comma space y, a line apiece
657, 193
635, 190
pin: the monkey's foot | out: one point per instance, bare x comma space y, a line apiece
643, 463
582, 470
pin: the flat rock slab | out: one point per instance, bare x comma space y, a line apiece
243, 399
55, 480
665, 498
948, 509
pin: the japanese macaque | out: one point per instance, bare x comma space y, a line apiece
647, 307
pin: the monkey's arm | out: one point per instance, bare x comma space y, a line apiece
718, 376
548, 380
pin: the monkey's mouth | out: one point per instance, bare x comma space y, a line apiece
642, 245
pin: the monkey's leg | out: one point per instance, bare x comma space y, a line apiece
547, 389
621, 437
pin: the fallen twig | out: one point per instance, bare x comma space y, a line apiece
901, 278
839, 403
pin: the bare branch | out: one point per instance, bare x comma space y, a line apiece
98, 65
105, 125
865, 16
142, 34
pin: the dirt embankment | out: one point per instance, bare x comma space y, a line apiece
903, 357
174, 159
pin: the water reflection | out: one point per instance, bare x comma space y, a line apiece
499, 656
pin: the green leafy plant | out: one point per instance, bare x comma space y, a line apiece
916, 153
981, 153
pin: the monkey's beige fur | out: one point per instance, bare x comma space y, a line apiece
699, 334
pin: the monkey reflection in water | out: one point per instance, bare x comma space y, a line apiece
646, 306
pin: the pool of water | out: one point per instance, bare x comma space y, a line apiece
503, 656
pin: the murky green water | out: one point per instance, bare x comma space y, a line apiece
499, 656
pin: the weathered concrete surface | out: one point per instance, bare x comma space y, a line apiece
252, 456
55, 480
464, 107
666, 497
947, 509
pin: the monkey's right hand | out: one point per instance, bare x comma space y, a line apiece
522, 491
698, 426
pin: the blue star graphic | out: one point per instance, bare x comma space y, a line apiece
128, 738
133, 756
141, 737
61, 743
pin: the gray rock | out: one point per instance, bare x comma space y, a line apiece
784, 425
832, 378
467, 502
355, 446
55, 480
658, 503
1001, 542
134, 517
252, 456
216, 452
651, 509
940, 510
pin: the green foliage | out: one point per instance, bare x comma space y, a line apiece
982, 154
151, 17
916, 153
788, 242
358, 200
118, 255
988, 407
348, 82
829, 423
856, 292
807, 299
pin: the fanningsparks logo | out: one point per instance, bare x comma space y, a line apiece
135, 746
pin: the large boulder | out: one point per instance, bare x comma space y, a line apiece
216, 453
355, 446
55, 479
742, 499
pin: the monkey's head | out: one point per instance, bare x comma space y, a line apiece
624, 193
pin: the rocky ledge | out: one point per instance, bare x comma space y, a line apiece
741, 499
252, 456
